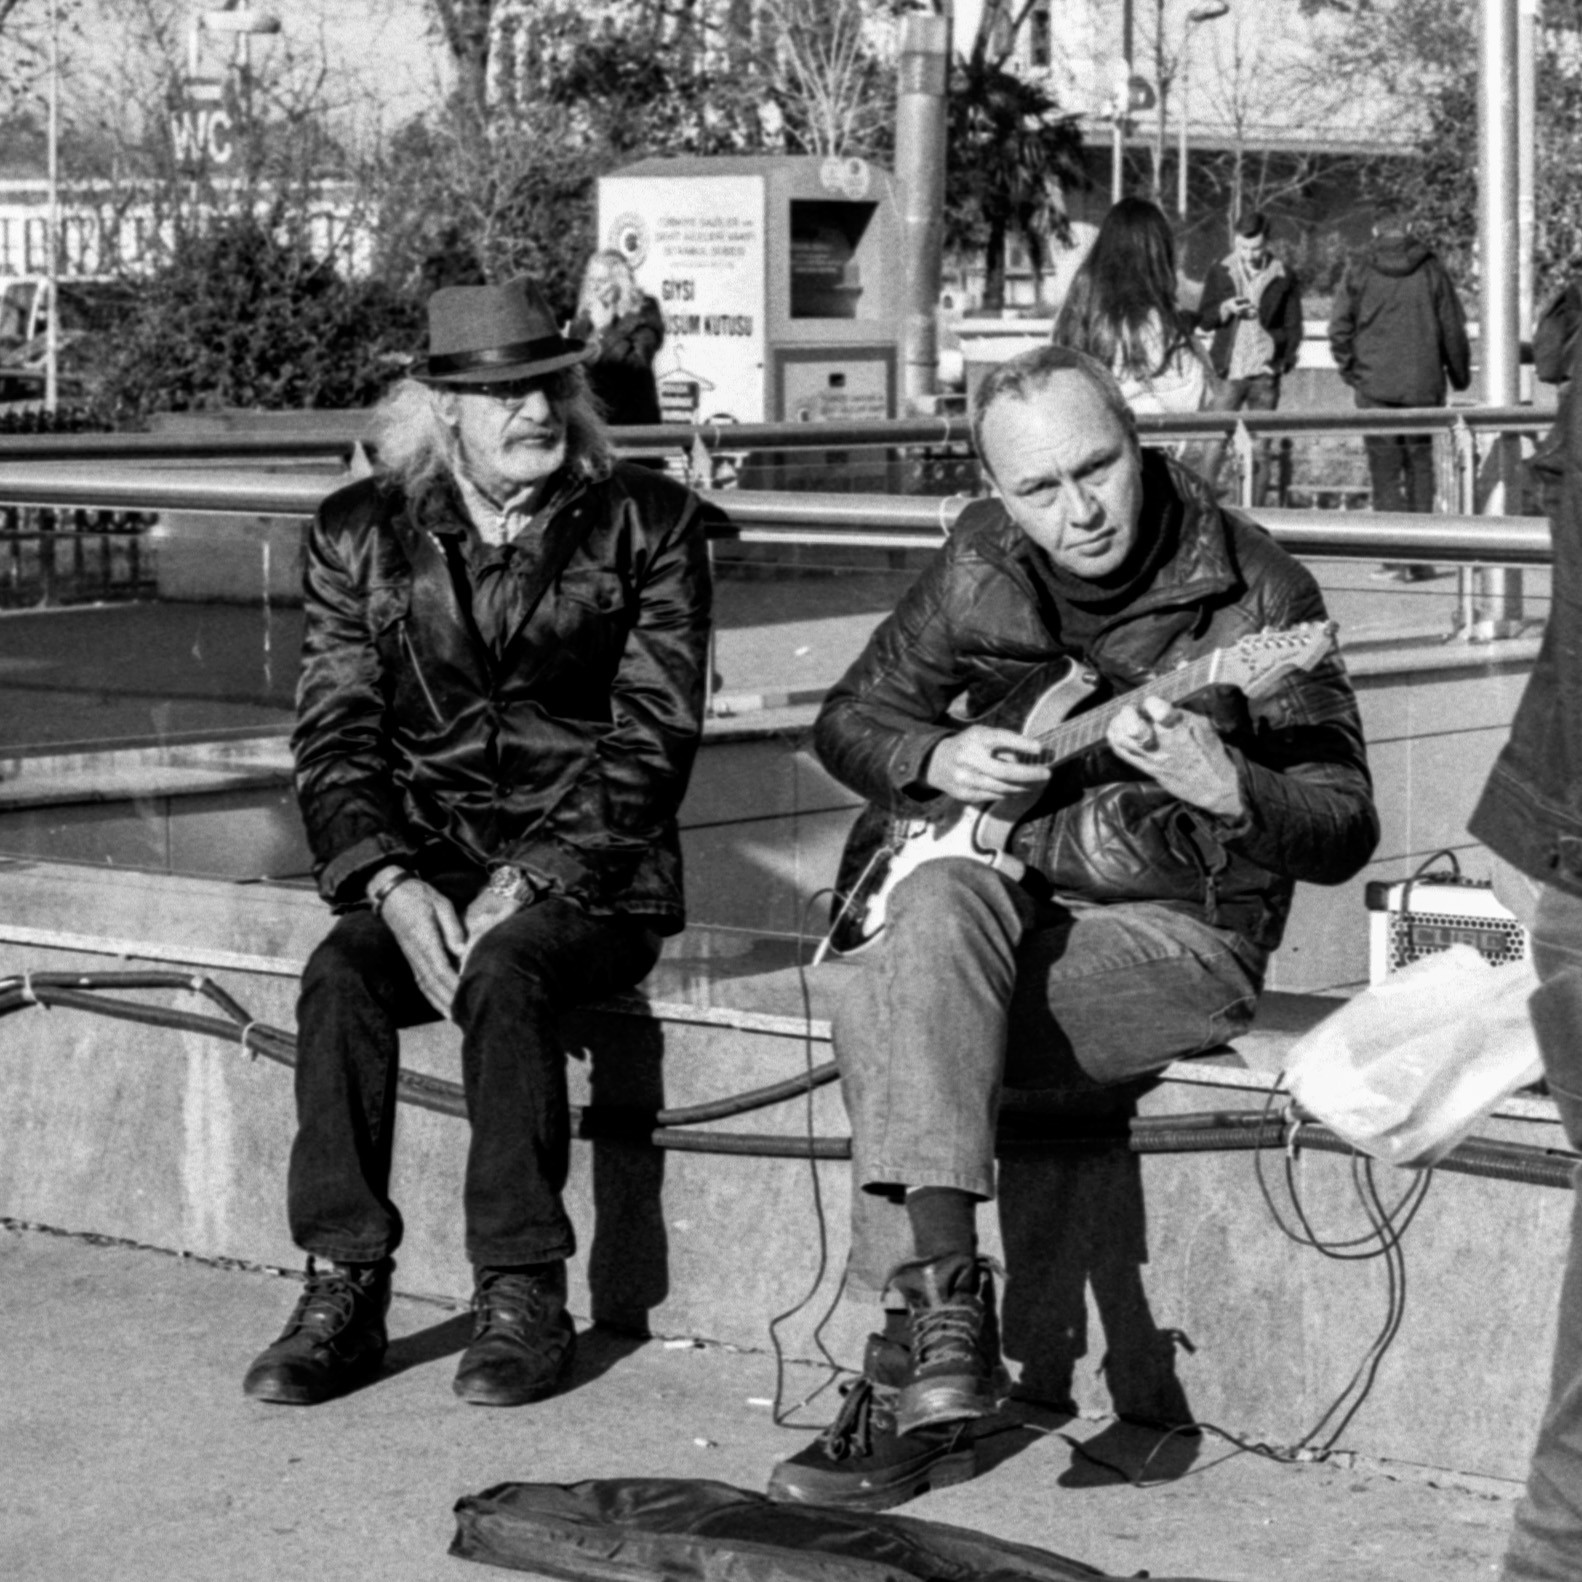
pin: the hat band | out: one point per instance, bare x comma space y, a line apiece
498, 356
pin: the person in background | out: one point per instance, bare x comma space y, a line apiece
1399, 335
1252, 306
1528, 817
1122, 310
500, 701
625, 328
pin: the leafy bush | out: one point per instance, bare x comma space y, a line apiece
244, 314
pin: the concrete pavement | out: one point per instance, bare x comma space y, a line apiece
127, 1453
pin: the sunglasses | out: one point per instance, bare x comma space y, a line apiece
509, 392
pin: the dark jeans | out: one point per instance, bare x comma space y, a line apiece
1546, 1544
358, 990
974, 987
1400, 467
1258, 394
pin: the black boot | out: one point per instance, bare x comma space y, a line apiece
523, 1339
955, 1370
334, 1341
860, 1461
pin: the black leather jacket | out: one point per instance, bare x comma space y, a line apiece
1530, 811
977, 623
568, 754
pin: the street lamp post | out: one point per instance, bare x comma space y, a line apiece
1208, 11
52, 223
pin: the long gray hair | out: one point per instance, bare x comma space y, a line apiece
414, 445
610, 262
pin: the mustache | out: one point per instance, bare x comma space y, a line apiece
537, 433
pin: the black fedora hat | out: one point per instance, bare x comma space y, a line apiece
489, 334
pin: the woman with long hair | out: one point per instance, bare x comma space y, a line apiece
627, 327
1122, 310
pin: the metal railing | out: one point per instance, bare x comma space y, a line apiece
198, 472
790, 517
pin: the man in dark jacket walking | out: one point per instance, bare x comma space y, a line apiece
1529, 816
1129, 918
1398, 333
1252, 306
500, 700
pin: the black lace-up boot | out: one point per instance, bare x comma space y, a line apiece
523, 1339
860, 1461
955, 1370
334, 1341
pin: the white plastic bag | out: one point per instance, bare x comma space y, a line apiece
1407, 1068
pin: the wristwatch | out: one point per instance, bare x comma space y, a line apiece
511, 884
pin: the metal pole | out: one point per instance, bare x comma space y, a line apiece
1497, 593
920, 131
1123, 96
1181, 120
1528, 18
52, 224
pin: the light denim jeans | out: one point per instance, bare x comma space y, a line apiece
1546, 1545
975, 986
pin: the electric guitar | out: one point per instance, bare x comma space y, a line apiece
883, 849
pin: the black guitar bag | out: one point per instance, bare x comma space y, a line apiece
688, 1530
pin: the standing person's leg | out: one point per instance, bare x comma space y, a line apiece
1262, 395
517, 981
357, 991
1546, 1541
1233, 397
1420, 489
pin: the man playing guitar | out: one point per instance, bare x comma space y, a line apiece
1141, 887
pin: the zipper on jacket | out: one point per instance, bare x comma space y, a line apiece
417, 670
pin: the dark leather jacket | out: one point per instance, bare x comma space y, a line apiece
977, 623
1531, 808
568, 754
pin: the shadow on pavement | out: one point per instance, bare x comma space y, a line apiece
1130, 1453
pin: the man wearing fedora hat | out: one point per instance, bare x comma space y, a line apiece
500, 700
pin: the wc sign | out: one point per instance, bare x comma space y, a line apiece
201, 126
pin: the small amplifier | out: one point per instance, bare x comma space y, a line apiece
1419, 916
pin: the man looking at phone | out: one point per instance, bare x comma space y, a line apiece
1252, 306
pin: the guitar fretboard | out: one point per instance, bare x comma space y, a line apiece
1074, 736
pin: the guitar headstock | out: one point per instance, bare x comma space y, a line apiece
1261, 660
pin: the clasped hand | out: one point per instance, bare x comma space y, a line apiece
434, 940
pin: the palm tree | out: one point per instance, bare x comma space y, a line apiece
1010, 150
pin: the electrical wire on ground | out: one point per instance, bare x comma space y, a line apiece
780, 1413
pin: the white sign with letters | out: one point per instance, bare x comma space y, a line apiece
696, 244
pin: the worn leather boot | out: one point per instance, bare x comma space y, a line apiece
334, 1340
860, 1462
523, 1339
954, 1371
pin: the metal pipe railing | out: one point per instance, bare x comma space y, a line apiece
766, 516
335, 434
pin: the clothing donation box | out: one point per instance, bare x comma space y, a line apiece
779, 278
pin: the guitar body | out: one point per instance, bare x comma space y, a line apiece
882, 850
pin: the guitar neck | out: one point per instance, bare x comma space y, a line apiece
1074, 736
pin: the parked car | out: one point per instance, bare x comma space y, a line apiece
88, 309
